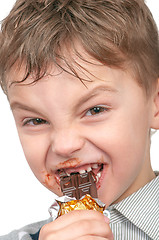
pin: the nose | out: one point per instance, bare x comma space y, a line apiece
66, 142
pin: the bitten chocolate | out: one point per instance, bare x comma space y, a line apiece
78, 185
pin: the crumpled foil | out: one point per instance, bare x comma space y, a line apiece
65, 204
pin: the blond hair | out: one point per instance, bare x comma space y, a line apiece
118, 33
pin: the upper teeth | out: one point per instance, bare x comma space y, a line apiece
88, 169
95, 166
82, 171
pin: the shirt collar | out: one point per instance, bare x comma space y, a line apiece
141, 208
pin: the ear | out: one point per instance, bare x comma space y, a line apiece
155, 117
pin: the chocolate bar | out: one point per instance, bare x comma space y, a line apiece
79, 192
77, 185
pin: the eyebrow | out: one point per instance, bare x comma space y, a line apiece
94, 92
18, 105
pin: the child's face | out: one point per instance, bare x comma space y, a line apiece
104, 125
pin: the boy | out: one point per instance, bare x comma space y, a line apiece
82, 81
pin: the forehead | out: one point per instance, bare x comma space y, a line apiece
73, 60
68, 90
83, 71
87, 76
76, 66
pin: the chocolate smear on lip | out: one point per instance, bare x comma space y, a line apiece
78, 185
69, 163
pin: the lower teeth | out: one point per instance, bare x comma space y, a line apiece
98, 176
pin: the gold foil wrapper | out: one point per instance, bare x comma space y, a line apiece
86, 203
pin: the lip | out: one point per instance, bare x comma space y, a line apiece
74, 167
76, 164
70, 163
79, 168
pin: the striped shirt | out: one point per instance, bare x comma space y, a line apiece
137, 216
134, 218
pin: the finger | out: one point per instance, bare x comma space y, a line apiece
94, 238
79, 229
87, 228
77, 215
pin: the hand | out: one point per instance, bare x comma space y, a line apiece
78, 225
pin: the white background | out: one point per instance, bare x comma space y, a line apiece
23, 199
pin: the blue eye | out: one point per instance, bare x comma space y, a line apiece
96, 110
34, 122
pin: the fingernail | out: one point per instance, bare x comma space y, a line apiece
106, 219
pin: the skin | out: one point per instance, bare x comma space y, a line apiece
73, 133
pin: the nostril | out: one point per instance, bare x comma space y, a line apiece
66, 142
66, 149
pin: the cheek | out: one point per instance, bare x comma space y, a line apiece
124, 142
35, 149
50, 182
127, 157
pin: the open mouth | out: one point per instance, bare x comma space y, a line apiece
94, 167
